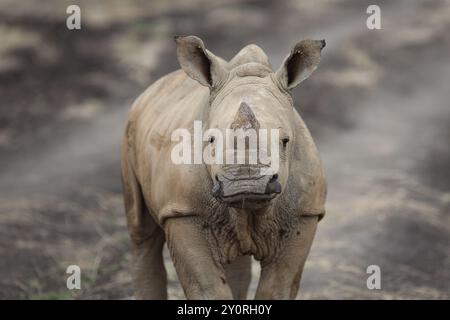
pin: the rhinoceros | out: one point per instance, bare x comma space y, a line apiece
215, 217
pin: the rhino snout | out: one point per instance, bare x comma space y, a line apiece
273, 186
250, 190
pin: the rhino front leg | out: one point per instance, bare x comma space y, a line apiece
200, 276
280, 279
239, 275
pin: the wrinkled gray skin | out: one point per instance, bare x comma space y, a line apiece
214, 217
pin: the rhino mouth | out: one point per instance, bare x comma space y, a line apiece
246, 189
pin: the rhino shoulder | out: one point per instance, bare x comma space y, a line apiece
307, 173
173, 102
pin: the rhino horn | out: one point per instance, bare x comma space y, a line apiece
245, 118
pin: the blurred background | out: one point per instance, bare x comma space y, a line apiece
378, 108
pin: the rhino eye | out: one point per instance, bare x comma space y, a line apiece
285, 141
211, 139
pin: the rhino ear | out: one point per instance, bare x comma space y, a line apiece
200, 64
300, 63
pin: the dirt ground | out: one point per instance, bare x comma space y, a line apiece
378, 108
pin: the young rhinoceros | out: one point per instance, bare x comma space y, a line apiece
214, 217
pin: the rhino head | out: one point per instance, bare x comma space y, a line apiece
246, 98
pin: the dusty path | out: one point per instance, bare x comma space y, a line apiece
377, 106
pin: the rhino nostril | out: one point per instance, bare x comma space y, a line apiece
217, 178
273, 187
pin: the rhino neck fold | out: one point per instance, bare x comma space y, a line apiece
245, 223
